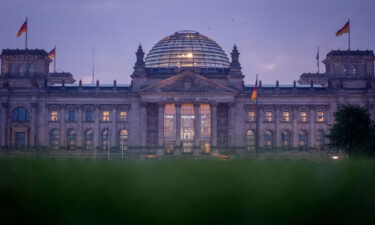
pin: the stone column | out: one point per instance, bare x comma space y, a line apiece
62, 118
80, 131
231, 122
259, 131
42, 126
197, 125
278, 117
4, 123
97, 135
214, 125
161, 124
178, 125
143, 123
311, 135
33, 123
114, 129
294, 126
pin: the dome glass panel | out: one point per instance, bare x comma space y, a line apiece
187, 49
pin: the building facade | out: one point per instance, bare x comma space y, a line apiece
186, 97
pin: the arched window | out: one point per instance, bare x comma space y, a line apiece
285, 140
250, 138
302, 140
320, 137
123, 140
71, 139
22, 68
89, 140
268, 139
12, 69
104, 140
54, 139
31, 68
20, 114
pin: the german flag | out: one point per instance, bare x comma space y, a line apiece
52, 53
344, 29
255, 91
22, 29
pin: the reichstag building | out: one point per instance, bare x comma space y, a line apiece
186, 97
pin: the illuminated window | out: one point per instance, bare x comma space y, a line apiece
320, 138
187, 122
268, 139
320, 115
205, 147
123, 139
89, 140
105, 115
54, 116
250, 139
303, 116
268, 116
71, 140
251, 116
123, 115
20, 114
302, 140
54, 139
285, 140
104, 139
170, 122
286, 116
205, 114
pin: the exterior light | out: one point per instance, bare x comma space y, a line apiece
335, 157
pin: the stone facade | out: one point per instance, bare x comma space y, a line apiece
179, 111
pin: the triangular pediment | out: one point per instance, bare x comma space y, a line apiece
188, 81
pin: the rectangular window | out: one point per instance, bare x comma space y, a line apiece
187, 121
105, 115
54, 116
320, 116
20, 139
251, 116
303, 116
71, 116
205, 116
123, 115
268, 116
286, 116
170, 122
88, 116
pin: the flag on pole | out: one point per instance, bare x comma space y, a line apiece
254, 94
344, 29
52, 53
22, 29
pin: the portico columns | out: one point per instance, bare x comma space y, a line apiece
161, 124
34, 118
197, 126
214, 124
143, 124
4, 123
178, 124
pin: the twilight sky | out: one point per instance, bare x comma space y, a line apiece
276, 39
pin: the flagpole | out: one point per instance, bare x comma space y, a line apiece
349, 34
54, 61
256, 121
27, 31
317, 58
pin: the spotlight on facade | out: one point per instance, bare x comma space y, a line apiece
335, 157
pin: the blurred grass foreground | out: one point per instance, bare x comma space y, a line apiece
172, 192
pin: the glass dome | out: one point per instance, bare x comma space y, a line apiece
186, 49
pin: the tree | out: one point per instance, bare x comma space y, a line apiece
353, 131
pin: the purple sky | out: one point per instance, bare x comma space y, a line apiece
276, 39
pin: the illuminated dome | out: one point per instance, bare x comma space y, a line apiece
187, 49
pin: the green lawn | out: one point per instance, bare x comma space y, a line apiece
172, 192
